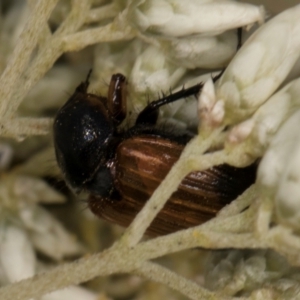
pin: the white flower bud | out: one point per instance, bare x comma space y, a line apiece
210, 111
152, 74
279, 152
17, 257
260, 129
287, 199
240, 132
48, 235
209, 52
260, 66
279, 173
181, 18
73, 292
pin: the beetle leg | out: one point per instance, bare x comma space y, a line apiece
149, 114
116, 103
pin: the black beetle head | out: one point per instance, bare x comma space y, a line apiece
83, 130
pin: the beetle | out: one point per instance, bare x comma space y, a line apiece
120, 168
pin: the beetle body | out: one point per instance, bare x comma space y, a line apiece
142, 162
121, 168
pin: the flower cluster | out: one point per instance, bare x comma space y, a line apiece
251, 115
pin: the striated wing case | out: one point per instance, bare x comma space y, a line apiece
143, 162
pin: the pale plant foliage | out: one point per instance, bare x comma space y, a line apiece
244, 224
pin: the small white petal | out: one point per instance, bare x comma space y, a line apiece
207, 98
17, 257
48, 235
73, 292
240, 132
210, 111
218, 112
